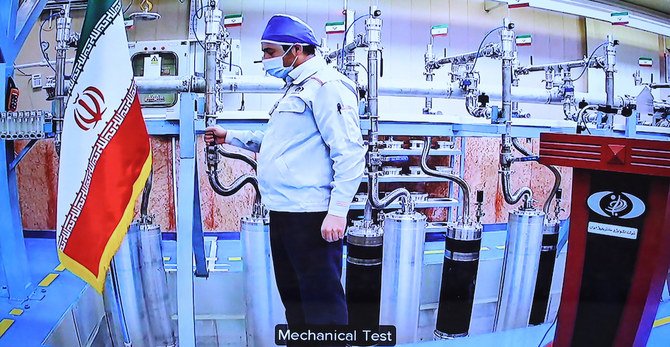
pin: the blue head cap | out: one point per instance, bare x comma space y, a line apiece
283, 29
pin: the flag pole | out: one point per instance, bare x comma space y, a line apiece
119, 305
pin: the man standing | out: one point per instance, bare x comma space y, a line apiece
310, 164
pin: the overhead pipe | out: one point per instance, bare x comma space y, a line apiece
170, 84
507, 38
42, 63
266, 85
490, 50
566, 65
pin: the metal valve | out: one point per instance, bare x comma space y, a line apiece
479, 213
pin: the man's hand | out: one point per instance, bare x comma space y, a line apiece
216, 134
333, 228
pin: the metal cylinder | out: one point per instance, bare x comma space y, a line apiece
364, 275
519, 269
264, 307
131, 290
63, 26
545, 272
459, 276
507, 39
154, 282
402, 264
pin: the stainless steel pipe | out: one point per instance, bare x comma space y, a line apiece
267, 85
170, 84
489, 50
462, 184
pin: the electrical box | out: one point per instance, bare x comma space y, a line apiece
156, 59
36, 81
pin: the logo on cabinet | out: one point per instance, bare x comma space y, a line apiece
88, 110
616, 204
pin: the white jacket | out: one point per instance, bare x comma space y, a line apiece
311, 155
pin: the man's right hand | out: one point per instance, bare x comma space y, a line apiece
215, 134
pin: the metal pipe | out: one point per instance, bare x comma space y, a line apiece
491, 50
170, 84
462, 184
378, 203
659, 85
238, 156
42, 63
337, 54
266, 85
212, 44
429, 56
554, 170
22, 154
566, 65
506, 160
507, 39
513, 198
610, 62
63, 24
373, 26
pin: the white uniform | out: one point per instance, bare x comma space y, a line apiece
311, 156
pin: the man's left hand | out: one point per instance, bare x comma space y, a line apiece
333, 228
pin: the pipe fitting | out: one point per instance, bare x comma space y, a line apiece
462, 184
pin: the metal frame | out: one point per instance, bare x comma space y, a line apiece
418, 128
15, 24
186, 205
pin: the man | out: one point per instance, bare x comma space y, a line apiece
310, 163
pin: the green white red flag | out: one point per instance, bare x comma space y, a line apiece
105, 155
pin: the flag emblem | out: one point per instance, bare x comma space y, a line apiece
91, 107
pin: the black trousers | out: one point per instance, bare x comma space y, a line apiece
307, 269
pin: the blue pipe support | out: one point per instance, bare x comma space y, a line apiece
186, 190
13, 256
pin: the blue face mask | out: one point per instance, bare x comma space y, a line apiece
275, 66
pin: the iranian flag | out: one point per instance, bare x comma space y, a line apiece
105, 155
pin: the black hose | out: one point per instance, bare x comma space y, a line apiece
239, 156
235, 186
144, 207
